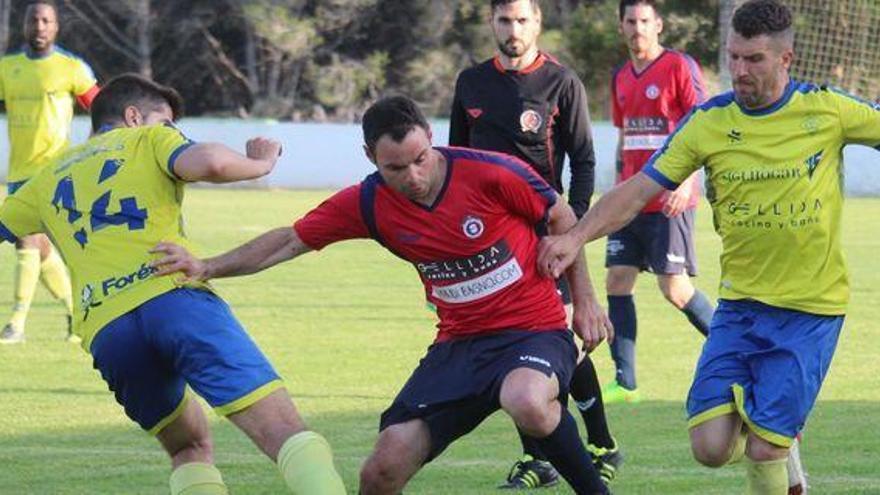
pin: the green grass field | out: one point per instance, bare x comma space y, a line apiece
345, 328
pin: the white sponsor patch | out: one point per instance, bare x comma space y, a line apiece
614, 246
644, 142
675, 259
482, 286
534, 359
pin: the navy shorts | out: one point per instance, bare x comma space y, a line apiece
183, 337
655, 242
457, 384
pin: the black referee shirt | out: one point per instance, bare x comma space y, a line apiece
538, 114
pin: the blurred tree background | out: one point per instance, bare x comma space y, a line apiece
327, 60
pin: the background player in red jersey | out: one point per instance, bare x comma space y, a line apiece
651, 93
467, 220
524, 103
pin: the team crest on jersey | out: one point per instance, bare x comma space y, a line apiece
530, 121
472, 227
475, 112
652, 92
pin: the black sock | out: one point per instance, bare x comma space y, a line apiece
566, 452
531, 446
699, 312
622, 313
587, 395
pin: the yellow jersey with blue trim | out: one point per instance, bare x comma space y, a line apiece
105, 204
774, 179
39, 93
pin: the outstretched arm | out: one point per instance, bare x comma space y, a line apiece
214, 162
589, 321
267, 250
613, 211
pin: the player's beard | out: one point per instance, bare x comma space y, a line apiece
513, 48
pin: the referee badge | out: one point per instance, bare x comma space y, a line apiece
472, 227
530, 121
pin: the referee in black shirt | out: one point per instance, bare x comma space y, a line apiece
525, 103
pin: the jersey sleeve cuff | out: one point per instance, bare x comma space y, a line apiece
7, 234
659, 178
173, 158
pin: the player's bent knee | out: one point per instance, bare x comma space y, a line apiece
677, 289
760, 450
711, 456
531, 413
711, 451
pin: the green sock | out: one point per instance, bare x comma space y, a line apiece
27, 274
306, 462
767, 477
197, 478
55, 278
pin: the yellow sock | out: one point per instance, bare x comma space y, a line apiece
55, 278
27, 274
739, 450
767, 477
306, 463
197, 478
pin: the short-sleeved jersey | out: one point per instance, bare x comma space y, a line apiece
646, 107
39, 93
105, 204
775, 183
475, 248
538, 114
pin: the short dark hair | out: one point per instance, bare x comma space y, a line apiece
394, 116
621, 8
762, 17
132, 90
495, 3
50, 3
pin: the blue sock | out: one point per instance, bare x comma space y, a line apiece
566, 452
699, 312
622, 312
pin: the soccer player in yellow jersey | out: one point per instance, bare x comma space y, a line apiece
772, 149
105, 204
38, 85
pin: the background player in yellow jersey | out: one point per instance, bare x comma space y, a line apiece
773, 154
38, 85
106, 203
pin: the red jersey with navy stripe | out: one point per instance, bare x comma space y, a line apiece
475, 248
647, 106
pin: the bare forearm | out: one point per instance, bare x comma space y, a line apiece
213, 162
561, 220
265, 251
616, 208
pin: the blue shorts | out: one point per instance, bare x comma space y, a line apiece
11, 187
765, 363
655, 242
458, 382
182, 337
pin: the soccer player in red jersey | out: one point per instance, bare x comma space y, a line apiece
525, 103
468, 221
651, 93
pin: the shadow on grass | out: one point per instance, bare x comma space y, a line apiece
841, 456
